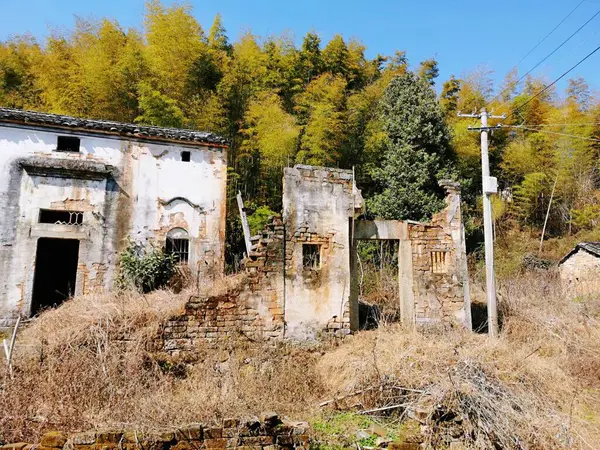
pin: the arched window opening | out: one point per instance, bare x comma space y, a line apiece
178, 244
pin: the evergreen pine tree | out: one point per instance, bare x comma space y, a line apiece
417, 153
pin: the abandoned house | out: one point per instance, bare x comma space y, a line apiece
580, 268
301, 274
73, 191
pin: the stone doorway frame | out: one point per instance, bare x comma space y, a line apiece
384, 230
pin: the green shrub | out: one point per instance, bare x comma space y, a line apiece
260, 218
145, 268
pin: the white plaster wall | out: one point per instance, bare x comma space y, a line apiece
580, 274
326, 208
156, 191
171, 193
21, 197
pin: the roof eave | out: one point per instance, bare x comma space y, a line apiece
140, 137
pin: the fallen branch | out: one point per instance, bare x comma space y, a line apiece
333, 400
420, 391
9, 350
385, 408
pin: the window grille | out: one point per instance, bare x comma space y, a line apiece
311, 256
180, 248
439, 262
178, 244
61, 217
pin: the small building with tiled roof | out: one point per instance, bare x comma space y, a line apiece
74, 192
580, 268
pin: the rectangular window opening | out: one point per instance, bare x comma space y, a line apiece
186, 156
180, 248
67, 144
311, 256
61, 217
439, 262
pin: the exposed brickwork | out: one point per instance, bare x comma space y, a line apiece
271, 433
339, 326
267, 253
438, 267
254, 309
282, 297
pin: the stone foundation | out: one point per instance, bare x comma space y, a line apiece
271, 433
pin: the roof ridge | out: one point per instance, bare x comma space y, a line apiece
590, 247
51, 120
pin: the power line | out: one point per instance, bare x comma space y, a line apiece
564, 124
556, 81
549, 34
553, 132
586, 39
549, 55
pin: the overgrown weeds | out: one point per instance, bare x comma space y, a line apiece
145, 268
88, 365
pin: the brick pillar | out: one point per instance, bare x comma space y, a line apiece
457, 231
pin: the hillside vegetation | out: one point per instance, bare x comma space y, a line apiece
85, 366
282, 101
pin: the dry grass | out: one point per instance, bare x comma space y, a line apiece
84, 366
537, 386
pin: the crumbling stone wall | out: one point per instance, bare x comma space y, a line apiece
440, 278
281, 297
284, 297
270, 433
252, 310
318, 205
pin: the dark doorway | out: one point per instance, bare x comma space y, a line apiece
55, 272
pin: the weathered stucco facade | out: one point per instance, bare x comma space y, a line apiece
318, 207
85, 187
580, 270
301, 275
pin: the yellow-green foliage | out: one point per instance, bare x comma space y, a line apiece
323, 110
280, 103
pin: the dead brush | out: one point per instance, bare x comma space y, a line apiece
378, 280
472, 406
536, 386
87, 365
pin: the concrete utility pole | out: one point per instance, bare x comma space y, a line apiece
490, 186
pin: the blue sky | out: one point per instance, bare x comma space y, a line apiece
460, 34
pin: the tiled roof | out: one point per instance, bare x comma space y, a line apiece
22, 117
590, 247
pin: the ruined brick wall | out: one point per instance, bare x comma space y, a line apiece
254, 309
440, 278
318, 204
270, 433
283, 297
